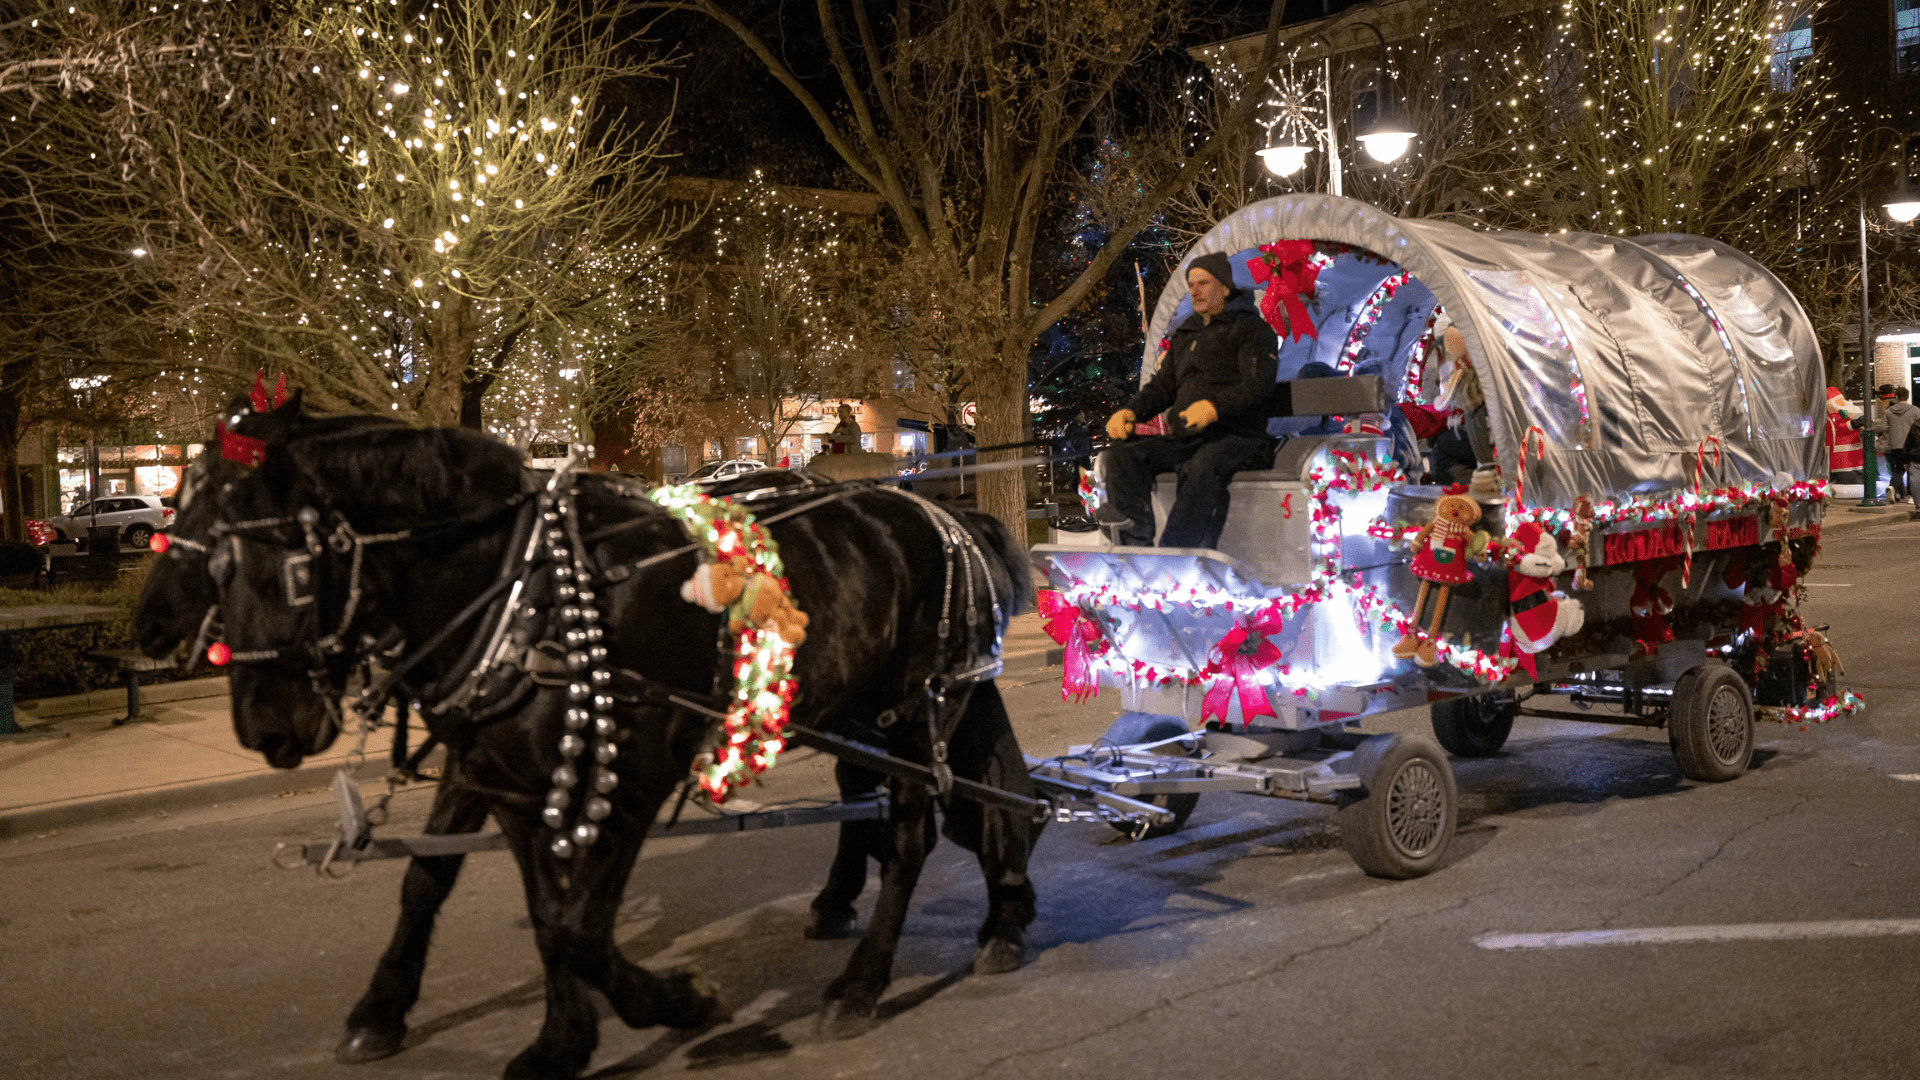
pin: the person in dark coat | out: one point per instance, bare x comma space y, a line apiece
1213, 384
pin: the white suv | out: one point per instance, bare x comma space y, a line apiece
137, 517
725, 470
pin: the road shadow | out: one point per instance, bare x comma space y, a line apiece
1570, 776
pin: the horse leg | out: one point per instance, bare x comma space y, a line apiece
571, 1029
853, 998
377, 1026
832, 914
573, 906
1006, 836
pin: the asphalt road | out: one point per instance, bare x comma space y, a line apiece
1246, 945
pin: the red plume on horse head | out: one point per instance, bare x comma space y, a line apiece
250, 451
259, 392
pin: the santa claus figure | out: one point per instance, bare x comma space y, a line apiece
1845, 456
1538, 615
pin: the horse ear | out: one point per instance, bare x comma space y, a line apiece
258, 395
287, 406
280, 391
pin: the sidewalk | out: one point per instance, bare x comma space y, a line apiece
73, 766
78, 768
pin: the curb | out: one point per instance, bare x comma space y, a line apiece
39, 711
1855, 517
187, 795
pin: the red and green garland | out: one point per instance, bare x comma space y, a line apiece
763, 688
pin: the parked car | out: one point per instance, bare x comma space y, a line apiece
725, 470
39, 533
135, 517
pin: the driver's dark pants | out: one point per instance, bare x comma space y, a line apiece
1204, 466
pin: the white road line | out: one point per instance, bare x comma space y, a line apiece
1904, 776
1694, 935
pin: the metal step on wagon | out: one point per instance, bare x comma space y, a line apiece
1646, 415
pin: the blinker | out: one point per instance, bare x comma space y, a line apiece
218, 654
159, 543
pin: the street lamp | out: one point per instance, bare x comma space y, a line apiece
1390, 135
1290, 156
1904, 204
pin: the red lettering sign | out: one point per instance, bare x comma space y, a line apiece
1670, 539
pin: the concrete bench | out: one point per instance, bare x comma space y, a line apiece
131, 665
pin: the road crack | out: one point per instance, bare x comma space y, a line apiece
1271, 969
1800, 801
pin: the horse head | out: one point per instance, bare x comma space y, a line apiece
331, 546
177, 605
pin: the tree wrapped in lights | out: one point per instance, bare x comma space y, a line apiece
388, 202
1648, 116
960, 115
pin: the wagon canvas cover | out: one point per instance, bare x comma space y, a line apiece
1621, 365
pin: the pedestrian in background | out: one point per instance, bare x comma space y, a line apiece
1903, 423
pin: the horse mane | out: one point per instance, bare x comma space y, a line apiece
382, 474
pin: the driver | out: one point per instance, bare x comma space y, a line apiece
1218, 370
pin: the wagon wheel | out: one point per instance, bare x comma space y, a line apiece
1710, 723
1401, 826
1134, 728
1474, 725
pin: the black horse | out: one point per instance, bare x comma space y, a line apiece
351, 538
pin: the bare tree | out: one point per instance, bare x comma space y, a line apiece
959, 113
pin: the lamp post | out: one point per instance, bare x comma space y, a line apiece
1386, 140
1870, 494
1902, 206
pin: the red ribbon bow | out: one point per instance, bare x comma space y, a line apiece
1288, 271
1071, 627
1243, 652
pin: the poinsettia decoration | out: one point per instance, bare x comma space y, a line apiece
1288, 270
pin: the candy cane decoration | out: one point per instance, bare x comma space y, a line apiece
1536, 440
1700, 460
1699, 469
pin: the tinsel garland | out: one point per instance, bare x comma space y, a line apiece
1829, 709
1353, 472
763, 687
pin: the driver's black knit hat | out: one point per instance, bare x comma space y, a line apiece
1219, 267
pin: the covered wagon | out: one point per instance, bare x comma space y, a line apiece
1649, 415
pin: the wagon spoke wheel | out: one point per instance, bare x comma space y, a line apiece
1401, 826
1710, 723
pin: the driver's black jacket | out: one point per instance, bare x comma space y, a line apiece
1230, 360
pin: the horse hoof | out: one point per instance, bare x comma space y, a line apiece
842, 1019
698, 1003
369, 1044
822, 926
997, 957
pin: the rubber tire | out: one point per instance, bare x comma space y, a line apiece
1710, 724
1381, 836
1142, 728
1474, 725
137, 535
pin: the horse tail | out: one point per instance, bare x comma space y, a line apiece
999, 545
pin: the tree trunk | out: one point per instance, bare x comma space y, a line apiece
16, 508
472, 392
1001, 391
